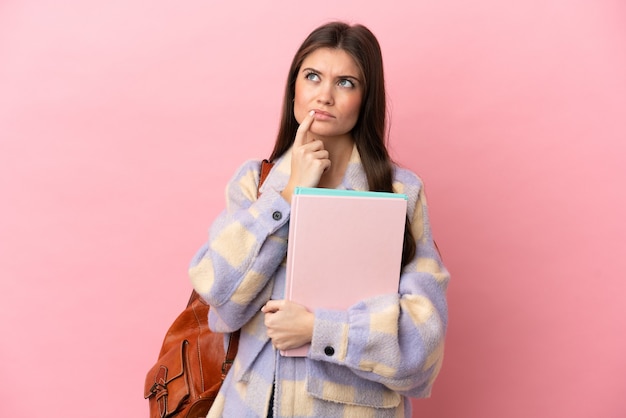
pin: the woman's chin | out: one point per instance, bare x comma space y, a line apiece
325, 133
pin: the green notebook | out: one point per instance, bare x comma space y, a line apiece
318, 191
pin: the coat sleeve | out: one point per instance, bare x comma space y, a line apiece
395, 340
247, 242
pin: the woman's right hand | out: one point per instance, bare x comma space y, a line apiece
309, 159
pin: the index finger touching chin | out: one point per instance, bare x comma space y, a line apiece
301, 136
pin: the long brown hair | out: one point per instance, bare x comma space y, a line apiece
369, 133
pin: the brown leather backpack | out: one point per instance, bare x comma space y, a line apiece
191, 367
192, 363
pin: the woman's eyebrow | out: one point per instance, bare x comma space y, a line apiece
312, 70
338, 77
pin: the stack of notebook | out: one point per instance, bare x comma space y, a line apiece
344, 246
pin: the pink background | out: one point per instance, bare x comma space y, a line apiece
121, 121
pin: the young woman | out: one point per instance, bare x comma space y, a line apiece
388, 348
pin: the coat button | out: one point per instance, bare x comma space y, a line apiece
329, 351
277, 216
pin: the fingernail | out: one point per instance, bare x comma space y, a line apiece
312, 112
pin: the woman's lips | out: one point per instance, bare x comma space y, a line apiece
322, 115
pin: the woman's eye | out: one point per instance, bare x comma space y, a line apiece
346, 83
312, 77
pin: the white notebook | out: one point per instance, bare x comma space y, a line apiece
344, 246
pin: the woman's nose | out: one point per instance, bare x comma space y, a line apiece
325, 94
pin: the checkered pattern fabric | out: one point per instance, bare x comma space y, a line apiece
385, 349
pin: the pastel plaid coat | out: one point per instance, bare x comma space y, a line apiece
386, 349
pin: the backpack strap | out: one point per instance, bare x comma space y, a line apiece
266, 166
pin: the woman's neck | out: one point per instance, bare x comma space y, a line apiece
340, 151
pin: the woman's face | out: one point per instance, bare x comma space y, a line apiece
330, 83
